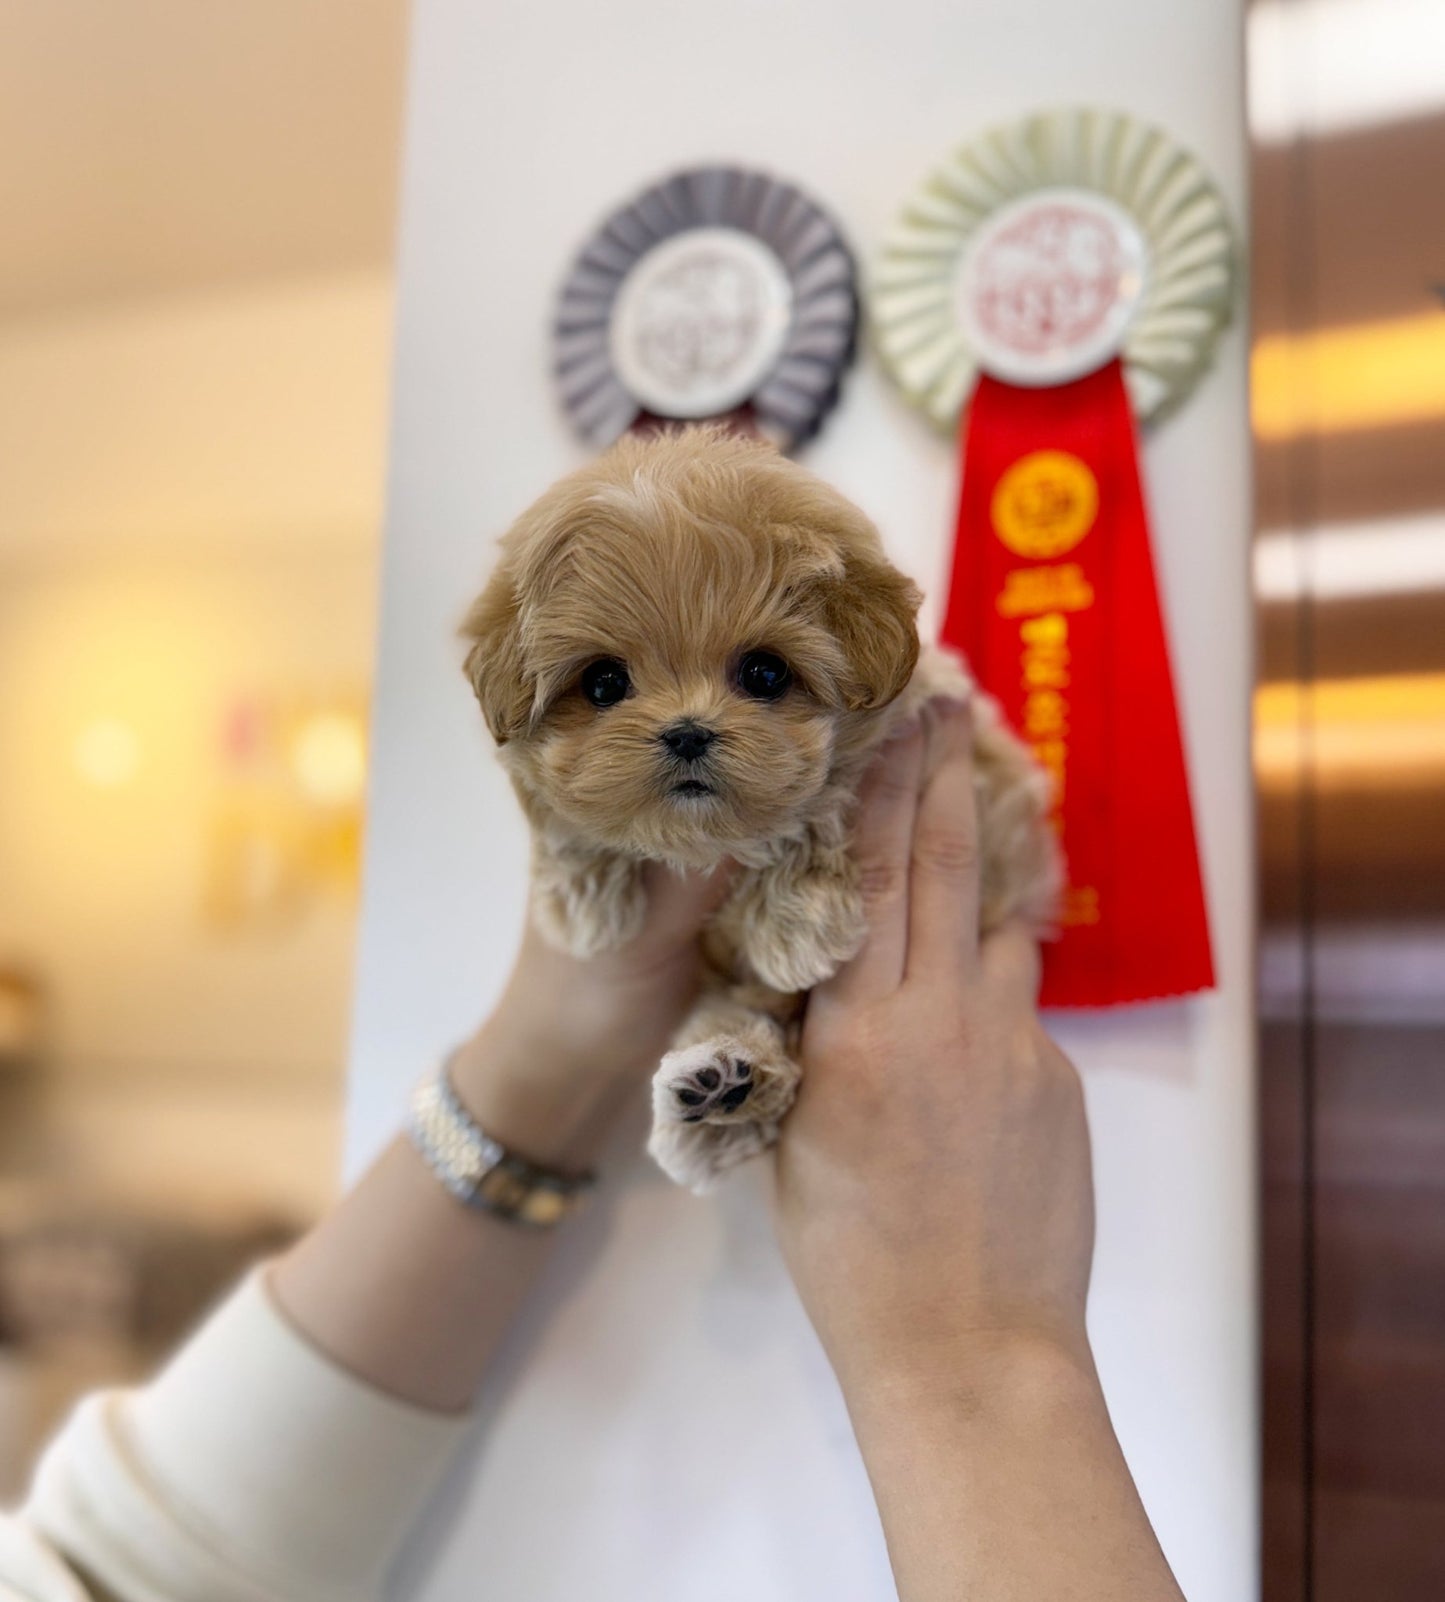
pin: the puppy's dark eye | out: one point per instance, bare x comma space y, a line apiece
605, 683
763, 675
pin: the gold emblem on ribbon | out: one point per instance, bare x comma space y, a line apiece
1044, 504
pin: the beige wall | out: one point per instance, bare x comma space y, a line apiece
252, 415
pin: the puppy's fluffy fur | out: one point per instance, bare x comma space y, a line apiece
674, 557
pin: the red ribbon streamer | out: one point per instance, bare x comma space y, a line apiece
1053, 600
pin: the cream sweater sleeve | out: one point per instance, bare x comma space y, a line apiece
250, 1469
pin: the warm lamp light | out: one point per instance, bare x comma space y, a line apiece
328, 757
106, 753
1351, 731
1353, 377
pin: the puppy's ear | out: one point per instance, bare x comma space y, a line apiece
495, 664
871, 612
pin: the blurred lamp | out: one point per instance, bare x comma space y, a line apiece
328, 758
106, 753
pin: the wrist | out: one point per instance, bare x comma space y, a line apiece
984, 1379
534, 1094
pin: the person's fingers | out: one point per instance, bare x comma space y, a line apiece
1009, 958
943, 891
887, 803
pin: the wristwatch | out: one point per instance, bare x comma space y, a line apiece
478, 1169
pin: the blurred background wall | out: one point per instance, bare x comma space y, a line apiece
195, 304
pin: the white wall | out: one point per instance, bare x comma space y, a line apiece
525, 123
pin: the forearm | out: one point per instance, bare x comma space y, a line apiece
408, 1288
1008, 1485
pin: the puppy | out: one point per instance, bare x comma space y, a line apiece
688, 652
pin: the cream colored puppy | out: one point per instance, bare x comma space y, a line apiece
688, 652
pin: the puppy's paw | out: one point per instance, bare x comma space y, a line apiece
696, 1156
810, 930
712, 1080
714, 1105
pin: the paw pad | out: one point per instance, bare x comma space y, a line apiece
715, 1085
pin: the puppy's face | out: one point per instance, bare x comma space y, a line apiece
676, 640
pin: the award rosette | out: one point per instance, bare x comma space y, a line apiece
1050, 284
718, 293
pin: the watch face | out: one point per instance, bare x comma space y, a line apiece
716, 289
700, 322
1049, 286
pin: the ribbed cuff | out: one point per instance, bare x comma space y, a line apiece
252, 1465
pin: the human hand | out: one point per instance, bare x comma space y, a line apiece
571, 1036
934, 1198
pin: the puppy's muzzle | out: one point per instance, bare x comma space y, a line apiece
687, 740
687, 743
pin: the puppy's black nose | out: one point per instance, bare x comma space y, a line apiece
687, 740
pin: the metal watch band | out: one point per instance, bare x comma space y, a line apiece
480, 1171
